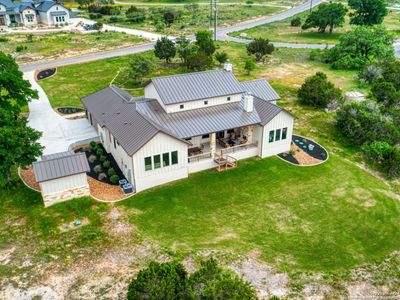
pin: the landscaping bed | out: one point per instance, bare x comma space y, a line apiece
69, 110
101, 163
304, 152
46, 73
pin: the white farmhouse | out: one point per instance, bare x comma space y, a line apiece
188, 123
32, 12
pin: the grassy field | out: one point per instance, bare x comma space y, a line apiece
58, 45
191, 20
282, 31
286, 70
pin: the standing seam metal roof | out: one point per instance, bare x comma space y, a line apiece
194, 86
66, 164
260, 88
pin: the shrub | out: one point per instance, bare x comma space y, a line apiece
3, 39
102, 176
384, 157
98, 26
111, 172
92, 158
159, 281
99, 151
93, 144
29, 38
114, 179
135, 15
221, 57
249, 65
103, 158
95, 16
370, 73
260, 47
20, 48
114, 19
318, 92
97, 169
295, 22
106, 164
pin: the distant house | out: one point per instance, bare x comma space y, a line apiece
32, 13
188, 123
62, 176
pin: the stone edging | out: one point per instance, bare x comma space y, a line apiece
320, 163
40, 70
112, 201
19, 174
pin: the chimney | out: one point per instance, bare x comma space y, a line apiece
248, 100
228, 66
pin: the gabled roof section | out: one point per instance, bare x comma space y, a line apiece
260, 88
60, 165
200, 121
195, 86
116, 110
266, 110
46, 5
7, 3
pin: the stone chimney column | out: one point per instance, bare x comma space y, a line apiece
228, 66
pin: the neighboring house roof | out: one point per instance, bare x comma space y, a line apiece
194, 86
7, 3
45, 5
60, 165
200, 121
116, 109
260, 88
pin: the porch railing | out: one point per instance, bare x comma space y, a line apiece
237, 148
199, 157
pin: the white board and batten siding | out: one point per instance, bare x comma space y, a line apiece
159, 144
62, 184
151, 92
48, 19
280, 121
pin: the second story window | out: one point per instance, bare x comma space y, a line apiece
228, 98
181, 106
205, 102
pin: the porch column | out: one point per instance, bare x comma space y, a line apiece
213, 144
248, 132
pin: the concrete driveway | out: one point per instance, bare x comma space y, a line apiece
58, 133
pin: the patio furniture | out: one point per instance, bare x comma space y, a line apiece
231, 143
127, 188
122, 182
194, 151
223, 143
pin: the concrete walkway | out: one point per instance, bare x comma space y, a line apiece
58, 132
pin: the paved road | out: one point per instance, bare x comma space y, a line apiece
221, 34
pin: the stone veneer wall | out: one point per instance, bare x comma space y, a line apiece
66, 195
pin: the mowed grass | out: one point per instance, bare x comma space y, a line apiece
326, 218
64, 44
281, 31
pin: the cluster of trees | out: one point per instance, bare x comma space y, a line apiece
171, 281
18, 142
375, 124
363, 12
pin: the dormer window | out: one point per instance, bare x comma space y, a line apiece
181, 106
228, 99
205, 102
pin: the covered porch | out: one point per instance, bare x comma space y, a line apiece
222, 143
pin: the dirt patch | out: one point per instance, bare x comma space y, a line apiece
364, 196
339, 192
266, 281
28, 177
224, 237
5, 255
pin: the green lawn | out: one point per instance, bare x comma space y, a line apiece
327, 218
281, 31
56, 45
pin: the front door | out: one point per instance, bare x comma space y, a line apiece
2, 21
12, 19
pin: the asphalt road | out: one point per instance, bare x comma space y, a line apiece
221, 35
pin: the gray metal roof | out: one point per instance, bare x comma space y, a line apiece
45, 5
194, 86
65, 165
266, 110
261, 89
201, 121
57, 155
116, 109
7, 3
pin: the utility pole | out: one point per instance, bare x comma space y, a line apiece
211, 14
311, 6
215, 20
